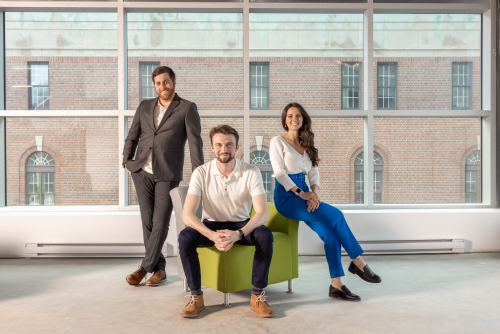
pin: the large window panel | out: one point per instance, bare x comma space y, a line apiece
305, 54
427, 61
338, 140
205, 50
62, 161
61, 61
207, 123
428, 160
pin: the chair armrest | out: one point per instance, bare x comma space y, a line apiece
279, 223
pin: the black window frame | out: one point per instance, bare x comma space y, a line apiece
46, 105
155, 64
474, 169
266, 170
470, 68
395, 65
378, 169
266, 64
342, 86
42, 171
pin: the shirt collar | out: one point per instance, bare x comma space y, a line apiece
162, 107
236, 173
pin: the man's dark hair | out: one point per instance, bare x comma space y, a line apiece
225, 130
163, 69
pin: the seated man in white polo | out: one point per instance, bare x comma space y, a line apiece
229, 186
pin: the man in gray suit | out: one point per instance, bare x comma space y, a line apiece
157, 138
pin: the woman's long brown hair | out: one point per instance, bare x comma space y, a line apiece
306, 136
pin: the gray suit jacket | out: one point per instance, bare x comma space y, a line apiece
180, 122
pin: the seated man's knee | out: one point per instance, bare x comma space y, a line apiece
263, 234
187, 237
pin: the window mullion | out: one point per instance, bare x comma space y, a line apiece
122, 99
246, 80
368, 104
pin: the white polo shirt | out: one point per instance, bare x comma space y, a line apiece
226, 200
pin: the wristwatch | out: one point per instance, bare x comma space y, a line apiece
298, 191
242, 235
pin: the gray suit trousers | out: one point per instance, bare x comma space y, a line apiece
156, 208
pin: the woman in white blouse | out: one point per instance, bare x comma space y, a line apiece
293, 156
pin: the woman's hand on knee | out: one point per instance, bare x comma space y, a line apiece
309, 196
312, 205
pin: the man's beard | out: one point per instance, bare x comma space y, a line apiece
226, 159
169, 94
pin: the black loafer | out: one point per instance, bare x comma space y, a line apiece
344, 294
366, 274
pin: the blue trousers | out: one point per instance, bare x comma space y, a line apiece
327, 221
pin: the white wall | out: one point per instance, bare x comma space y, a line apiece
480, 226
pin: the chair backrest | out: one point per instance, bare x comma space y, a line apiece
178, 196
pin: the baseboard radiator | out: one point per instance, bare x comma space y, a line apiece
89, 250
412, 246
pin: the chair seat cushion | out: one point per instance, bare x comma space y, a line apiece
232, 270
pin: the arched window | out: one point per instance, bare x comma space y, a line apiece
40, 179
262, 160
473, 177
378, 178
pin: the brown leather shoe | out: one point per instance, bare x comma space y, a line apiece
194, 307
158, 277
136, 277
259, 305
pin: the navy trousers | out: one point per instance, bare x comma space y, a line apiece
261, 238
327, 221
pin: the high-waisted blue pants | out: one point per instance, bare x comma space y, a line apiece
327, 221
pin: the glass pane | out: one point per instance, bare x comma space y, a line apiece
40, 159
377, 181
33, 183
48, 183
77, 162
79, 56
425, 48
34, 200
338, 140
305, 48
207, 123
205, 50
424, 159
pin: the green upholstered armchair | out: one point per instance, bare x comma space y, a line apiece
231, 271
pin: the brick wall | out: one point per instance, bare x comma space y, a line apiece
423, 158
85, 152
75, 83
213, 83
425, 83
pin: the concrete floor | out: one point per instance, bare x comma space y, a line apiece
418, 294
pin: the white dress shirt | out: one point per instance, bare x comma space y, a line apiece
226, 200
286, 160
159, 112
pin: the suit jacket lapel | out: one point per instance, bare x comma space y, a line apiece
152, 112
175, 102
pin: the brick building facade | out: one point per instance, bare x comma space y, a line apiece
423, 158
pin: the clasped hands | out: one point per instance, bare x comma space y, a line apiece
312, 199
224, 239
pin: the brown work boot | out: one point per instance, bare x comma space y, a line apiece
194, 307
158, 277
258, 304
136, 277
